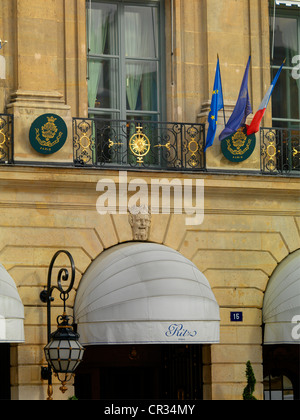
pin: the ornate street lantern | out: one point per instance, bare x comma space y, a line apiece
63, 351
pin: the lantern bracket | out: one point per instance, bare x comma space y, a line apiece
46, 297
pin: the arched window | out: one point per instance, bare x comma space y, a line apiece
278, 388
143, 313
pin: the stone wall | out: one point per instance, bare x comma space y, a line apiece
46, 68
250, 225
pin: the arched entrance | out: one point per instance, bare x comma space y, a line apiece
11, 328
5, 372
140, 372
281, 313
11, 310
143, 312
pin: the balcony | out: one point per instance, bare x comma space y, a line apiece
156, 146
280, 151
6, 139
139, 144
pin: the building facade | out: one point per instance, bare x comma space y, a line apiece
104, 108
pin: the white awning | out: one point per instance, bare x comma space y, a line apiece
281, 307
11, 310
145, 293
288, 3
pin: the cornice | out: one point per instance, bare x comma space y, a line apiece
82, 180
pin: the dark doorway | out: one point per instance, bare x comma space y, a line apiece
140, 372
281, 371
5, 372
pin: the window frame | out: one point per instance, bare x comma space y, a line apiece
270, 391
121, 111
290, 12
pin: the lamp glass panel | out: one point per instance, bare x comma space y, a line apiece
72, 365
64, 354
75, 354
64, 365
56, 365
53, 353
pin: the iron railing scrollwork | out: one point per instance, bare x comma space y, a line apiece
102, 143
6, 139
280, 151
138, 144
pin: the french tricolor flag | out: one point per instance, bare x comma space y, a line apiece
254, 126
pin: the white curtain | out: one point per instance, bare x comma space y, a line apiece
139, 43
98, 26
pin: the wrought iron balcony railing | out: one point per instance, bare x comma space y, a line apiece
6, 139
138, 144
159, 146
280, 151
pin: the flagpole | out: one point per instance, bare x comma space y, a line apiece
273, 36
222, 90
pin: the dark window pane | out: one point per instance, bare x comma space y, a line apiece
141, 86
285, 98
4, 371
103, 83
285, 39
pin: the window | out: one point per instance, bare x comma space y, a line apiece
278, 388
124, 59
281, 371
285, 41
284, 139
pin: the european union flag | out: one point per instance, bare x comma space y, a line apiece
217, 103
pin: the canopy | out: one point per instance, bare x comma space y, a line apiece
281, 309
11, 310
145, 293
288, 2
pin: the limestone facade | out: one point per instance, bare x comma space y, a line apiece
251, 221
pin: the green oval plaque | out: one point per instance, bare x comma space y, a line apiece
48, 134
238, 147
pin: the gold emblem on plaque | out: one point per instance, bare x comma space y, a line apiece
238, 146
48, 134
139, 144
240, 142
49, 131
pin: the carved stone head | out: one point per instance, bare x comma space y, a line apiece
140, 222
